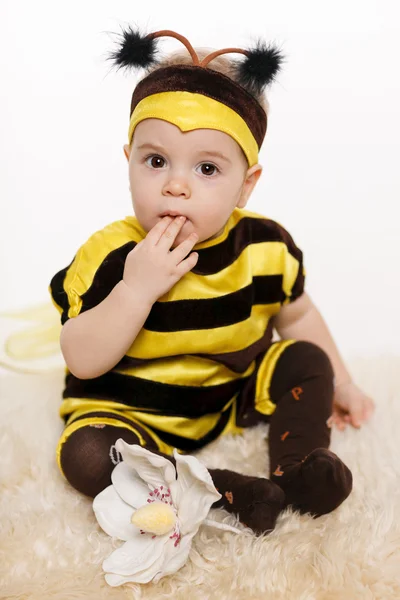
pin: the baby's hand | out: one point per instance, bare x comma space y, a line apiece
350, 406
152, 268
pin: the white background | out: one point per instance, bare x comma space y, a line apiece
331, 154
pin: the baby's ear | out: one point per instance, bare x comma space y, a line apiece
127, 151
252, 176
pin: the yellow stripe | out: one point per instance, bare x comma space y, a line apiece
231, 427
263, 402
70, 429
75, 407
127, 414
192, 371
74, 300
228, 338
190, 111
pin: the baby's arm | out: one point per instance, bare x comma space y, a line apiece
301, 320
95, 341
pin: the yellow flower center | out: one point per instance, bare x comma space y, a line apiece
156, 517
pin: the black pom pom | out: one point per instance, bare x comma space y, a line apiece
259, 68
135, 50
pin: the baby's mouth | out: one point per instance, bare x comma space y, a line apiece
173, 216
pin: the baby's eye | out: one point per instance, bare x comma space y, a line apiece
155, 161
208, 169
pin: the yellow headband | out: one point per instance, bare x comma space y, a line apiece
190, 111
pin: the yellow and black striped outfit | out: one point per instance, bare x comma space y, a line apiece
202, 364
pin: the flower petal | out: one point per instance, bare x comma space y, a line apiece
155, 470
176, 560
193, 492
136, 555
171, 560
114, 515
154, 572
129, 485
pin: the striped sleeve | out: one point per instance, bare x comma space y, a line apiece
58, 293
67, 288
95, 270
293, 271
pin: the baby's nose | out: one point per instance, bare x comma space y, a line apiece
177, 187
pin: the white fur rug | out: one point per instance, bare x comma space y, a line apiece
52, 547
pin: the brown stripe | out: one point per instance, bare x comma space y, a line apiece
298, 286
246, 414
203, 313
210, 313
109, 273
58, 293
188, 78
249, 230
144, 394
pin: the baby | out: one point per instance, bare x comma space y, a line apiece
167, 347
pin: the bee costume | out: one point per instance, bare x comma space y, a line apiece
204, 363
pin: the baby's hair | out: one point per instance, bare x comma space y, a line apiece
222, 64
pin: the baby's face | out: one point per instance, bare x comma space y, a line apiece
199, 174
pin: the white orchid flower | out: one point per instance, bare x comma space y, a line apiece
156, 510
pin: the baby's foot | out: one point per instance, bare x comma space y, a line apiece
318, 484
255, 500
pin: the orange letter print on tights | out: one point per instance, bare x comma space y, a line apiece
296, 392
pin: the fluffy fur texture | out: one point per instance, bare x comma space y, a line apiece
135, 50
52, 547
259, 68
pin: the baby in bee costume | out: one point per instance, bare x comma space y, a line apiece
200, 361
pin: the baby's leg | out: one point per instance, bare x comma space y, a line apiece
313, 478
86, 452
87, 457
